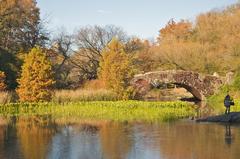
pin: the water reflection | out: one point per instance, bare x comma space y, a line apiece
116, 140
9, 148
198, 141
37, 138
34, 136
228, 135
73, 141
2, 136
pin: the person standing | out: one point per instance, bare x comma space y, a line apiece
227, 103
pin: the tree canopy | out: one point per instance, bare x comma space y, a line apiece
209, 45
20, 25
21, 29
116, 69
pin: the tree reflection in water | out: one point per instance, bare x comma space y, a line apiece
38, 137
2, 136
9, 147
116, 141
80, 141
35, 136
102, 140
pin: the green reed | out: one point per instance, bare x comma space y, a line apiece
103, 110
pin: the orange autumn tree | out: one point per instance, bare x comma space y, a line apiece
2, 81
116, 69
175, 30
36, 78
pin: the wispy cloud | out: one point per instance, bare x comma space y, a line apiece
101, 11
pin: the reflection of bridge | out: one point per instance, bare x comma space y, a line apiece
200, 86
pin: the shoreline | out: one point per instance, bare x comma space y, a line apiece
233, 117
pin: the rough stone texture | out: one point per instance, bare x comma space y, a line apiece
229, 78
199, 86
233, 117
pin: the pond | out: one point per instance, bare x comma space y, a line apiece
38, 139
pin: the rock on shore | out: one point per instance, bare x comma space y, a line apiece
233, 117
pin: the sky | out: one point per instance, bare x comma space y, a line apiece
142, 18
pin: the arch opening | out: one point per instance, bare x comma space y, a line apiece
196, 94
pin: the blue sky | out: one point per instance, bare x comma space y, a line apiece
142, 18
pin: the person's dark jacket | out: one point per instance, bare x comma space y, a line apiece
227, 101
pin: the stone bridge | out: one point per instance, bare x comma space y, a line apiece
198, 85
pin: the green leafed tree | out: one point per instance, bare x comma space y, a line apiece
36, 78
9, 64
116, 69
20, 25
21, 29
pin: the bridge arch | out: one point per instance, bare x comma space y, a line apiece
199, 86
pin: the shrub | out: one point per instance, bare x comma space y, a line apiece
36, 78
5, 98
2, 81
94, 85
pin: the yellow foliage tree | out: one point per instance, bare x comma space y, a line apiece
2, 81
36, 78
116, 69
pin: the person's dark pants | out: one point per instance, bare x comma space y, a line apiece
227, 110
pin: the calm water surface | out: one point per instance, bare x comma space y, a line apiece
32, 139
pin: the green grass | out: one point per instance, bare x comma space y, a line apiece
102, 110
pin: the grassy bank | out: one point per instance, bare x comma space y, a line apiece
65, 96
100, 110
216, 101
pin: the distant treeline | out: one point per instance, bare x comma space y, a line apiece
209, 44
